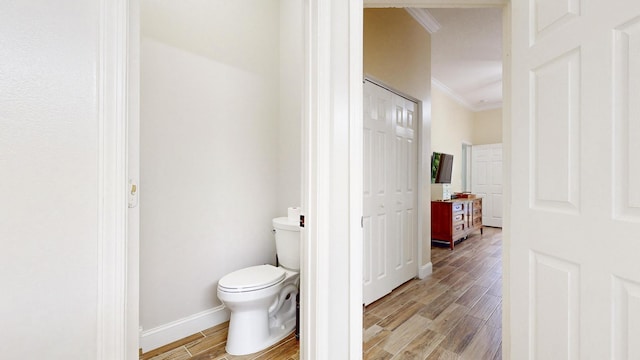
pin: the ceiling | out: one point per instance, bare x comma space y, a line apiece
466, 54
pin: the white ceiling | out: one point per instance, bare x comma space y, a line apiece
466, 55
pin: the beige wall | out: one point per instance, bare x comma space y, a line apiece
487, 127
397, 51
452, 124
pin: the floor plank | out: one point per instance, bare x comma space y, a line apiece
405, 333
421, 346
462, 334
449, 318
485, 306
484, 344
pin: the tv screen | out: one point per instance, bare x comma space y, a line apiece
441, 168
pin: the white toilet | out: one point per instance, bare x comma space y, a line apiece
262, 299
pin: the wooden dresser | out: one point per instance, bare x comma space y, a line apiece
453, 220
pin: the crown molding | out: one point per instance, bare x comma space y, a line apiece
424, 18
488, 106
460, 100
452, 94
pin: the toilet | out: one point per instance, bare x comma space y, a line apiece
262, 299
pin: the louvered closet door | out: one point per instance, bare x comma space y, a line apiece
575, 237
390, 196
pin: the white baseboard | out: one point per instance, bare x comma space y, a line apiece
179, 329
425, 270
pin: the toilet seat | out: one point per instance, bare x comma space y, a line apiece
251, 279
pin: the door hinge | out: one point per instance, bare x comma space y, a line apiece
301, 220
362, 222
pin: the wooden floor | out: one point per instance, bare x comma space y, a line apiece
453, 314
209, 345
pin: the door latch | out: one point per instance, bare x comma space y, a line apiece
132, 194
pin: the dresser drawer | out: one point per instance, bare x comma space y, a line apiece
458, 206
477, 204
457, 228
459, 217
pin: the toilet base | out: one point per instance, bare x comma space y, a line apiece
237, 343
255, 329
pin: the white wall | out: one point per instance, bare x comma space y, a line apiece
291, 100
219, 150
48, 179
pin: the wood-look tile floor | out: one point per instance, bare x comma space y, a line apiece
456, 313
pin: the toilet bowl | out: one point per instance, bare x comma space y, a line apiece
262, 299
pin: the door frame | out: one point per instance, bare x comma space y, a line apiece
117, 258
506, 128
332, 130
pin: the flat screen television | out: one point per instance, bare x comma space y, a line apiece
441, 168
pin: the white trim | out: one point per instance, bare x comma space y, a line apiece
331, 301
425, 270
312, 325
179, 329
381, 84
506, 180
112, 90
424, 18
133, 167
466, 166
356, 173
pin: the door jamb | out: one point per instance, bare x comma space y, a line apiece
506, 5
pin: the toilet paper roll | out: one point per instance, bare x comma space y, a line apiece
293, 213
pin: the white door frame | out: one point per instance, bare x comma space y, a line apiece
334, 58
331, 318
116, 302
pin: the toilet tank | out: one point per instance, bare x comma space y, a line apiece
287, 234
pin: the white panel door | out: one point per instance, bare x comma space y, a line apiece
486, 181
390, 196
575, 237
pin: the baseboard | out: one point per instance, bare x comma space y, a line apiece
179, 329
425, 270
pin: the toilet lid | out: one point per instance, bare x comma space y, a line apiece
251, 278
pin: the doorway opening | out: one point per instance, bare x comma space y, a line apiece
375, 329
